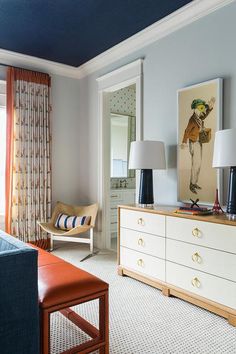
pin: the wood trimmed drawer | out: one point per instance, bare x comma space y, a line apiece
211, 261
146, 243
211, 287
142, 221
142, 263
216, 236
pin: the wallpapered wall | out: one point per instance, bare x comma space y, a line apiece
123, 101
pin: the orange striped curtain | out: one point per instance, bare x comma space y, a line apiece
28, 160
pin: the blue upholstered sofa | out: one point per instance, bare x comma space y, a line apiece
19, 311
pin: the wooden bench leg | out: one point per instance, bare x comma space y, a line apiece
104, 323
100, 338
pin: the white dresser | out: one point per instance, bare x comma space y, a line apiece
190, 257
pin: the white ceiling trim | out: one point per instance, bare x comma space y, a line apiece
28, 62
176, 20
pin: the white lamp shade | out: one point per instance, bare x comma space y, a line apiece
225, 148
147, 155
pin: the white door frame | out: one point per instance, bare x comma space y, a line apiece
125, 76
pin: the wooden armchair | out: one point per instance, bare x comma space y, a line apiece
73, 235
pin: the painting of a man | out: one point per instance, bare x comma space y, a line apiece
199, 117
192, 135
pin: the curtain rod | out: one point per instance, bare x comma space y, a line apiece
17, 67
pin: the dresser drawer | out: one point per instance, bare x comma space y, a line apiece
113, 218
113, 227
116, 196
146, 243
113, 210
211, 261
142, 263
202, 233
143, 221
205, 285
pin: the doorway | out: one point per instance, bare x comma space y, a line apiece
120, 118
122, 132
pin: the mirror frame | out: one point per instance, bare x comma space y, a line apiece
130, 173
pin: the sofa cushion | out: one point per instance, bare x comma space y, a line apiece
6, 246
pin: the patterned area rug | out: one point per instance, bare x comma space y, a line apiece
142, 320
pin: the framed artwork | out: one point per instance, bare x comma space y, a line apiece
199, 117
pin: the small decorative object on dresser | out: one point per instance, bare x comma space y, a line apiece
187, 256
225, 156
217, 207
147, 156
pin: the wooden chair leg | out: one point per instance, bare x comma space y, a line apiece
45, 332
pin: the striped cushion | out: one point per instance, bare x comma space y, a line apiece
68, 222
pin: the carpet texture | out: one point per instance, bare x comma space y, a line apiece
142, 320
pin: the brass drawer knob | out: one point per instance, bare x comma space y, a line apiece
140, 221
140, 242
197, 258
140, 262
196, 232
196, 282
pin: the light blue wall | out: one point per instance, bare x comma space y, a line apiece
66, 142
201, 51
3, 72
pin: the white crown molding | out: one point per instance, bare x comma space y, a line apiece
28, 62
176, 20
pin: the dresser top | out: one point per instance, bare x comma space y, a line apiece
170, 211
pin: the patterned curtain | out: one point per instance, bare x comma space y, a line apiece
28, 168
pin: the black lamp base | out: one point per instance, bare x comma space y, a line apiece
231, 204
146, 188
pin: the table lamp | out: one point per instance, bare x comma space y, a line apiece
225, 156
147, 156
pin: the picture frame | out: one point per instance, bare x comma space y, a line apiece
200, 110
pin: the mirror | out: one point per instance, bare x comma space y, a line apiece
122, 133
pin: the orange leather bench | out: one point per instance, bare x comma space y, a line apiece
62, 285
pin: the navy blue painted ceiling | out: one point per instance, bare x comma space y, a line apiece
75, 31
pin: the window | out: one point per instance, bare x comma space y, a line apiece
2, 145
